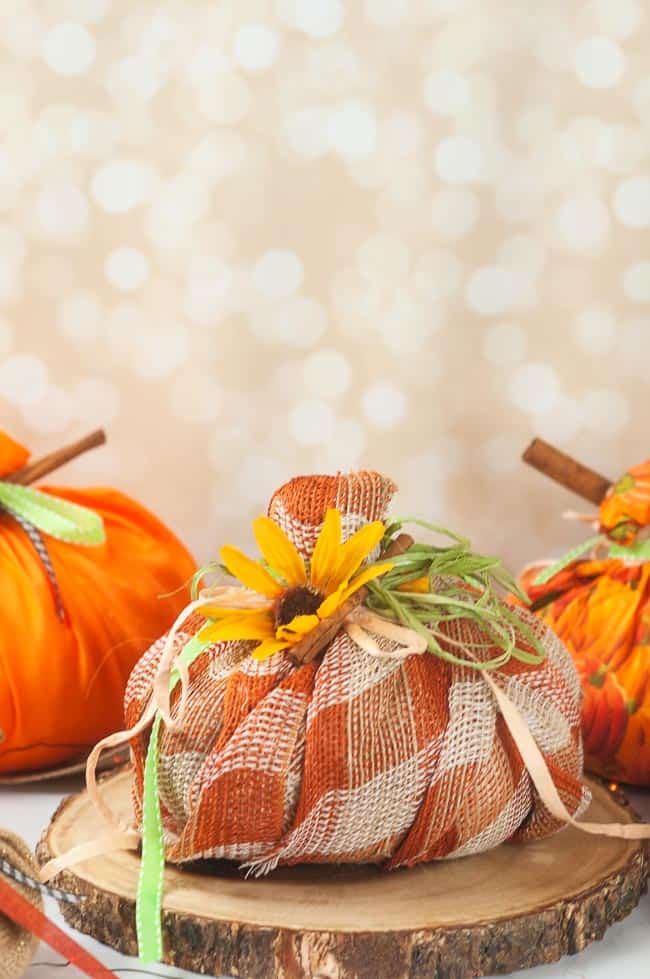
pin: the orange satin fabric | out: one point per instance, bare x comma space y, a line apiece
601, 610
62, 683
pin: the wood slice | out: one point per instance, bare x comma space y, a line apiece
510, 908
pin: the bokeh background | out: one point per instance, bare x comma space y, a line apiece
260, 237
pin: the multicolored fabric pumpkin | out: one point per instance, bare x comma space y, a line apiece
368, 754
75, 616
599, 605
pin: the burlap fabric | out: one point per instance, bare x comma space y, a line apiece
353, 758
17, 946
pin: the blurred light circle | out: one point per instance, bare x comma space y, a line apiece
583, 223
61, 210
318, 18
89, 10
534, 387
255, 47
459, 160
621, 18
69, 49
127, 269
344, 450
632, 202
599, 62
490, 290
595, 329
353, 130
384, 404
307, 132
386, 13
158, 350
446, 92
23, 379
636, 282
80, 316
278, 273
327, 372
120, 185
311, 421
52, 413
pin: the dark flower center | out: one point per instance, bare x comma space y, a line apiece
296, 601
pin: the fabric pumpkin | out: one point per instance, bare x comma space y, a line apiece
352, 758
62, 680
600, 608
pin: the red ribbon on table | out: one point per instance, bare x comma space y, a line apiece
19, 909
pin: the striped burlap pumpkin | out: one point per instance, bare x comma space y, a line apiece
352, 758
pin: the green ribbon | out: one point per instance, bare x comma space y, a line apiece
638, 551
58, 518
148, 913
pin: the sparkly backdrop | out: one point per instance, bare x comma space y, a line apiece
260, 237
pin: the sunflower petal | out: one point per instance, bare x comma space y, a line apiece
374, 571
280, 553
268, 648
249, 572
355, 551
219, 612
243, 627
299, 626
326, 555
420, 585
329, 605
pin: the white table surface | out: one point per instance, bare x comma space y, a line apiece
624, 953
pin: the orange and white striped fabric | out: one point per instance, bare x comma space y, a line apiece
353, 758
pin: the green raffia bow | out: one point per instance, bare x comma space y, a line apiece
58, 518
462, 585
638, 551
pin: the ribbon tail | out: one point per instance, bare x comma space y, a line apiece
542, 779
105, 843
566, 560
26, 915
53, 515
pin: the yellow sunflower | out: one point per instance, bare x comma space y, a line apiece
299, 596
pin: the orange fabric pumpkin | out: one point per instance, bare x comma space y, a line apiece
601, 610
62, 681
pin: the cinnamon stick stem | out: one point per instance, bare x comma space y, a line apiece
560, 467
36, 470
315, 641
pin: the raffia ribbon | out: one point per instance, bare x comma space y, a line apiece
364, 627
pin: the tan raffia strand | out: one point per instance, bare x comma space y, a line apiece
17, 946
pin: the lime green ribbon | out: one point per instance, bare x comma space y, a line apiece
638, 551
58, 518
148, 912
